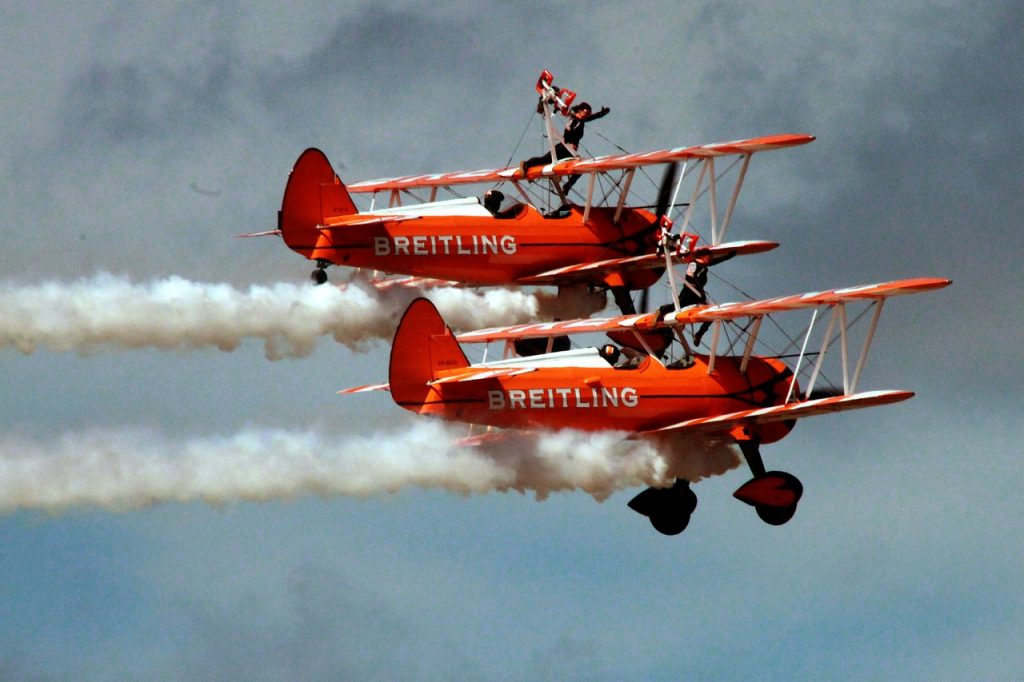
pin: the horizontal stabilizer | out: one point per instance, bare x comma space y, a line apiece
265, 233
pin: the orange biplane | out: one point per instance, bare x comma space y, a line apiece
544, 237
737, 398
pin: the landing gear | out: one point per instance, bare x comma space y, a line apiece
773, 494
669, 509
319, 276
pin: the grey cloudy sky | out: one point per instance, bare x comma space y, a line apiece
904, 560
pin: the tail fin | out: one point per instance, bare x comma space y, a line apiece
423, 345
312, 196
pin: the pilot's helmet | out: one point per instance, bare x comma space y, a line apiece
493, 199
610, 353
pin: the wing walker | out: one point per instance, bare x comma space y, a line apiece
650, 383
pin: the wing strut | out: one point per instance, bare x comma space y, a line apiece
592, 180
522, 192
716, 329
713, 199
751, 340
838, 317
693, 198
824, 349
735, 196
867, 344
803, 351
622, 195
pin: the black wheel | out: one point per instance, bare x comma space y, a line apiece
669, 509
775, 516
319, 276
670, 522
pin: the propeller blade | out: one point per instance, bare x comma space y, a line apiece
665, 197
668, 182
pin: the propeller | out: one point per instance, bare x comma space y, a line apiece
645, 296
623, 297
668, 180
662, 208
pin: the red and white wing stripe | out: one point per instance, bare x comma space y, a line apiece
705, 313
366, 219
572, 166
728, 311
585, 271
415, 283
548, 329
466, 375
777, 413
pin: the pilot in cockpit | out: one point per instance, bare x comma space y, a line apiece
621, 358
492, 202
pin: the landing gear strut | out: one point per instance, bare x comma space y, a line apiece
669, 509
773, 494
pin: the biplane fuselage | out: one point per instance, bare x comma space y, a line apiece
458, 240
486, 250
589, 398
578, 389
470, 245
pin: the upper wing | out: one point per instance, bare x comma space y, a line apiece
729, 311
706, 313
805, 408
585, 272
575, 166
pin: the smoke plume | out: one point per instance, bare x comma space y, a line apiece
130, 469
109, 312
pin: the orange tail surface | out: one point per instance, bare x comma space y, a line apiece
423, 346
313, 195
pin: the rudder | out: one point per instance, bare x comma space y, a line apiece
313, 195
423, 345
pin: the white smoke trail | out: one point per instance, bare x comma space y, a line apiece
106, 311
130, 469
